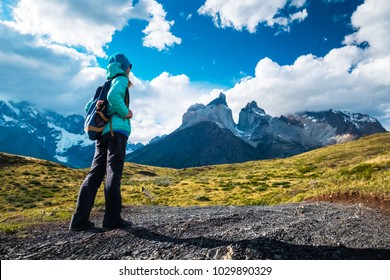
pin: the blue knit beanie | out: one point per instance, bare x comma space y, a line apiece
122, 59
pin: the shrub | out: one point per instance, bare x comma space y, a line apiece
35, 182
202, 198
281, 184
307, 168
163, 182
227, 186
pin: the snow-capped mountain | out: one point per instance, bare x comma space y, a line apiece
208, 135
296, 133
26, 130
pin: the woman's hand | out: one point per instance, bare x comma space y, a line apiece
129, 115
99, 104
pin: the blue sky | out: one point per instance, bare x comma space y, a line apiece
225, 55
288, 55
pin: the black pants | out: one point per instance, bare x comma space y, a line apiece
108, 160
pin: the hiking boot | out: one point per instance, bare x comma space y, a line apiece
123, 224
84, 227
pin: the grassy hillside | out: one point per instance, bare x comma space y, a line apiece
34, 191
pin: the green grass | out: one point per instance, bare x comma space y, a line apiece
35, 191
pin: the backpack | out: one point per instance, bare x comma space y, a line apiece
97, 117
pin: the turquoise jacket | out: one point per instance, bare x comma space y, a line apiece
116, 100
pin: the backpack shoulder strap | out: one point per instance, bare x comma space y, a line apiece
127, 94
103, 90
127, 97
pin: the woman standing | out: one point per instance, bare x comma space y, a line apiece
110, 152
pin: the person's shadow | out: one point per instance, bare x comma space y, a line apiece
266, 248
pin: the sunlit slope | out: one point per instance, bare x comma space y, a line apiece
34, 191
359, 167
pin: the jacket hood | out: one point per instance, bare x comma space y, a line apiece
114, 69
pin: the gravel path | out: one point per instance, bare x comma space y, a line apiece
294, 231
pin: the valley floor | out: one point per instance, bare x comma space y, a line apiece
294, 231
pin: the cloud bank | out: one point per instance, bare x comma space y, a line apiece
90, 24
159, 104
249, 14
51, 77
72, 23
350, 77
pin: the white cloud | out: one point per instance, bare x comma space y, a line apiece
311, 83
51, 77
347, 78
157, 32
373, 23
158, 105
299, 16
89, 23
186, 16
250, 13
298, 3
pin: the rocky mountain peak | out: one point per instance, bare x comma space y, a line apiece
220, 100
217, 111
252, 116
253, 107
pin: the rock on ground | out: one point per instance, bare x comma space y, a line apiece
293, 231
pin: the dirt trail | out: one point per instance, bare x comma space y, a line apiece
295, 231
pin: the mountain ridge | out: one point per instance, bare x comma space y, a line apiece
26, 130
270, 137
29, 131
189, 150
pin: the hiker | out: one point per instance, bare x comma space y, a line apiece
110, 152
